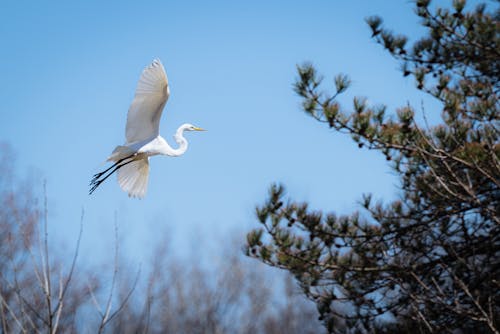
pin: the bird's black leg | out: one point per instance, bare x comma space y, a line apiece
95, 182
98, 175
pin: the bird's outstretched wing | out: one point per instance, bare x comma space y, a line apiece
133, 177
143, 119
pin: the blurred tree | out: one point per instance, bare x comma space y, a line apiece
225, 295
429, 261
42, 291
35, 292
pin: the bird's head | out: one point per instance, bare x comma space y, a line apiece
191, 127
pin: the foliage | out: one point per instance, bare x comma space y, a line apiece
428, 261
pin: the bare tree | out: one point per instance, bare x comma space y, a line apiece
39, 291
223, 293
42, 291
34, 286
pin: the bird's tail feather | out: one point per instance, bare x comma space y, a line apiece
133, 177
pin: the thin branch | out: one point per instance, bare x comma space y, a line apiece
47, 289
4, 303
107, 310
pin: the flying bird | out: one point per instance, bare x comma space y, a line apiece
143, 140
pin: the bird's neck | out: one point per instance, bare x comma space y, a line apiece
181, 141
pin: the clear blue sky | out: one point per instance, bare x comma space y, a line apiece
69, 71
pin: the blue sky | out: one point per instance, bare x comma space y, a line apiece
69, 71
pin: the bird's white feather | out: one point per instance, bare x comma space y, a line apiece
120, 152
131, 160
133, 177
151, 95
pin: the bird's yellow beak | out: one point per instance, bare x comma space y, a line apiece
199, 129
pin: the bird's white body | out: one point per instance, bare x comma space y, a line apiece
157, 146
143, 140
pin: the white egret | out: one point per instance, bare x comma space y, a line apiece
143, 139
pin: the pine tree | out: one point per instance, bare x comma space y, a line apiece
428, 261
